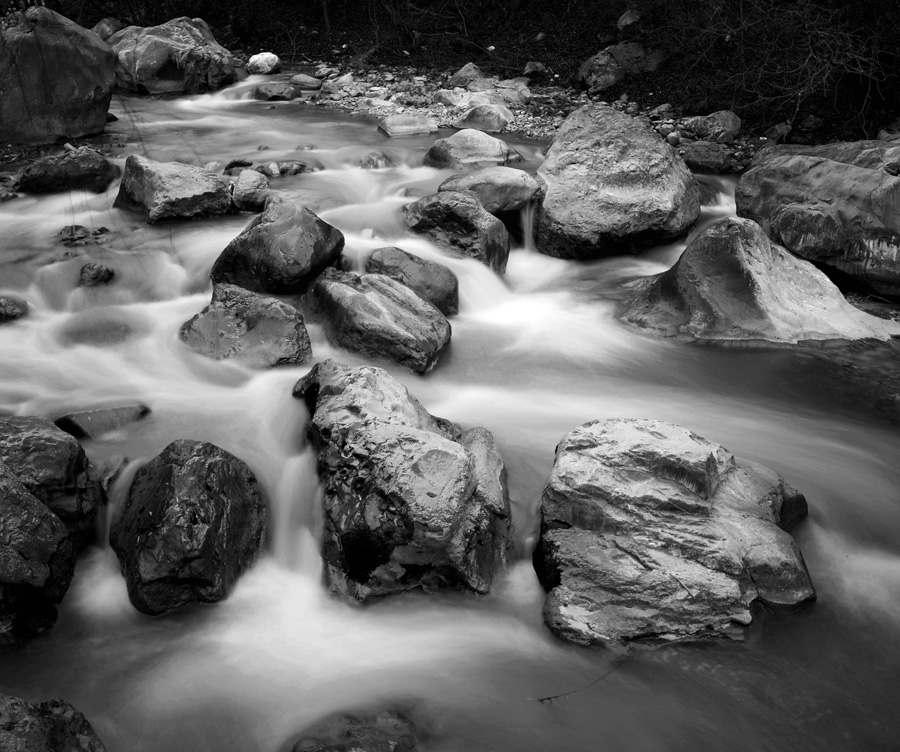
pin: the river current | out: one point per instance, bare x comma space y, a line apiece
533, 355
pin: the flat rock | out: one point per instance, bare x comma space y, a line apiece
470, 149
80, 169
280, 252
52, 726
306, 83
253, 329
732, 284
172, 190
457, 222
379, 317
99, 421
410, 502
407, 124
500, 189
434, 282
491, 118
195, 518
652, 534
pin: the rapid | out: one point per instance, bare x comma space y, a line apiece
532, 355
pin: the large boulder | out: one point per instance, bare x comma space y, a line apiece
835, 214
500, 189
611, 185
194, 520
434, 282
470, 149
179, 56
410, 501
171, 190
247, 327
457, 222
732, 284
872, 155
377, 316
52, 466
37, 561
650, 533
612, 64
281, 251
52, 726
56, 79
79, 169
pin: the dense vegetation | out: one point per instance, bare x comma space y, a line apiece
831, 63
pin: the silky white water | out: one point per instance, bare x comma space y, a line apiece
533, 354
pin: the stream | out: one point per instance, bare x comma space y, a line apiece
532, 356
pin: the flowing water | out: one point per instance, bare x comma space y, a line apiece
532, 356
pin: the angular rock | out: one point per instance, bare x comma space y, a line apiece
611, 185
407, 124
374, 315
251, 191
284, 168
652, 534
52, 726
94, 275
99, 421
722, 126
280, 252
706, 156
278, 91
387, 731
872, 155
258, 331
457, 222
470, 149
306, 83
434, 282
53, 467
452, 97
512, 92
37, 561
834, 214
171, 190
732, 284
194, 520
81, 169
179, 56
56, 79
264, 63
108, 26
612, 64
499, 189
465, 75
408, 504
12, 309
491, 118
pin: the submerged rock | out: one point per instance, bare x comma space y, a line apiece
434, 282
56, 79
52, 726
98, 421
457, 222
388, 731
180, 56
80, 169
194, 520
171, 190
499, 189
253, 329
281, 251
93, 274
37, 561
470, 149
410, 501
650, 533
611, 185
374, 315
732, 284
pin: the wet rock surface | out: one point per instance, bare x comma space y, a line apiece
411, 501
434, 282
52, 726
195, 518
499, 189
78, 169
96, 422
652, 534
12, 309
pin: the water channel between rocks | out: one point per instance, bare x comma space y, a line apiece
532, 356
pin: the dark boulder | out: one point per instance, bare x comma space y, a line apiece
707, 156
652, 534
457, 222
12, 309
56, 79
180, 56
51, 464
613, 64
732, 284
171, 190
500, 189
247, 327
374, 315
194, 520
722, 126
276, 92
98, 421
434, 282
52, 726
37, 561
79, 169
611, 185
411, 502
280, 252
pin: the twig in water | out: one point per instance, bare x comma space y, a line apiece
551, 698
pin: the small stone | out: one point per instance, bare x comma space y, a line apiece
94, 275
263, 63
